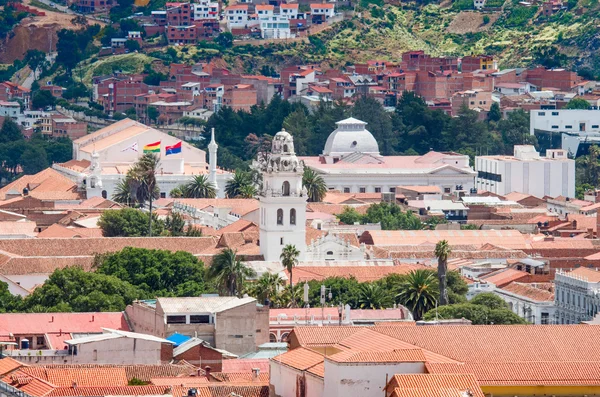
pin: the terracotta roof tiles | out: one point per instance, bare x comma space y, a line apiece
443, 382
245, 365
502, 277
393, 356
7, 365
530, 291
64, 377
46, 185
300, 358
361, 273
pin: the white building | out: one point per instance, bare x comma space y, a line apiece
282, 199
264, 10
527, 172
564, 120
275, 27
290, 11
577, 295
205, 9
10, 109
351, 163
533, 302
102, 159
331, 247
478, 4
326, 10
236, 16
511, 89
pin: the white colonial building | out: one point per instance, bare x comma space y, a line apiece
351, 163
332, 247
282, 199
101, 160
577, 295
527, 172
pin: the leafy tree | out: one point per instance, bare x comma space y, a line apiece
489, 300
177, 192
350, 216
132, 45
35, 59
175, 224
289, 259
344, 290
577, 103
199, 187
590, 165
299, 125
248, 191
494, 114
267, 287
123, 194
234, 186
580, 190
418, 292
392, 217
289, 296
10, 131
34, 159
314, 184
152, 113
372, 296
8, 301
128, 222
73, 289
477, 314
515, 130
142, 181
67, 48
224, 39
43, 99
229, 272
158, 272
442, 251
550, 57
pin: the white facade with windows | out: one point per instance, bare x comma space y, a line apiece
205, 10
236, 16
577, 295
275, 27
533, 311
527, 172
282, 210
565, 120
10, 109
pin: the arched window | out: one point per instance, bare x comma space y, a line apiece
272, 338
93, 182
285, 189
284, 336
280, 216
104, 194
285, 148
293, 216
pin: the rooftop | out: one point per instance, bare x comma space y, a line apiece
213, 304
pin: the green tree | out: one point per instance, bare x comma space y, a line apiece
289, 259
8, 301
10, 131
225, 39
577, 103
489, 300
418, 292
442, 251
391, 217
73, 289
267, 287
177, 192
299, 125
128, 222
67, 48
314, 184
229, 273
34, 159
248, 192
234, 186
200, 187
515, 130
153, 113
142, 180
372, 296
132, 45
494, 114
349, 216
581, 188
43, 99
175, 224
158, 272
35, 59
477, 314
123, 194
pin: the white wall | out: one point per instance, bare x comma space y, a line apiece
363, 380
118, 351
283, 379
521, 306
566, 120
314, 386
538, 177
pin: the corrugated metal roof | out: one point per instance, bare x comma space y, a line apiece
201, 304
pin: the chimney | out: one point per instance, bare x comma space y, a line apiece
92, 318
74, 385
255, 373
207, 371
199, 372
52, 319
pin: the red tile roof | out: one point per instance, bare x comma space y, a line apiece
361, 273
28, 384
502, 277
441, 383
245, 365
300, 358
44, 323
530, 291
394, 356
7, 365
64, 377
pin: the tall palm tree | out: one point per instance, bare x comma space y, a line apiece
235, 185
289, 296
442, 251
289, 259
142, 180
267, 287
372, 296
229, 272
122, 194
200, 187
247, 191
418, 292
314, 184
177, 192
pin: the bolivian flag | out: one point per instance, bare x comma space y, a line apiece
152, 147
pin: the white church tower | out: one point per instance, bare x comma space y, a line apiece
282, 199
94, 180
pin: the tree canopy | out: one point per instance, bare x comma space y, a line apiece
128, 222
389, 215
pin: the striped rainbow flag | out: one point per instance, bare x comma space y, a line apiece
152, 147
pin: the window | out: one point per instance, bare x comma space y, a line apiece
346, 190
568, 126
163, 195
200, 319
545, 318
104, 194
555, 113
594, 125
293, 216
392, 190
555, 126
281, 241
95, 355
377, 190
280, 216
285, 189
362, 189
446, 190
541, 113
175, 319
40, 341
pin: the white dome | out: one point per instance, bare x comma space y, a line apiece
349, 137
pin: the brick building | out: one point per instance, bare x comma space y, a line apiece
119, 95
179, 14
68, 127
55, 90
552, 78
94, 6
472, 63
240, 97
11, 92
418, 60
182, 34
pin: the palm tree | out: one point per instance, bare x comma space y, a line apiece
122, 192
372, 296
289, 296
267, 287
235, 185
200, 187
177, 192
247, 191
142, 181
418, 292
289, 259
229, 272
442, 250
314, 184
